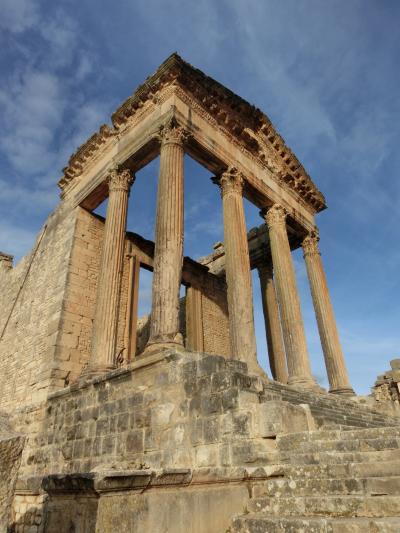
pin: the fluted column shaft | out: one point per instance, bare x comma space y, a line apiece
237, 266
276, 349
111, 265
333, 354
168, 254
298, 363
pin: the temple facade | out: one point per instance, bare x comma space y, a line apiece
106, 412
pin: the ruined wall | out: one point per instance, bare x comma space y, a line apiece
27, 346
74, 342
48, 338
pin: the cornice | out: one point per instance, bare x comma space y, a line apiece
247, 125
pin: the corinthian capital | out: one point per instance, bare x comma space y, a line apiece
172, 133
274, 216
120, 180
230, 182
310, 244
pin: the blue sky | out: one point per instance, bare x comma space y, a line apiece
326, 73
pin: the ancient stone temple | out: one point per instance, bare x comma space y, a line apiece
168, 423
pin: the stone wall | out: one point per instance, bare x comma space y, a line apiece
11, 446
163, 411
28, 342
74, 342
215, 320
386, 390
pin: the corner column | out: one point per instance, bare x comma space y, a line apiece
298, 363
109, 283
333, 354
168, 254
276, 349
237, 266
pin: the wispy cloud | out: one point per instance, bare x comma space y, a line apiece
18, 15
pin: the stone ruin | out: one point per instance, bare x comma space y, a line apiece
386, 390
168, 423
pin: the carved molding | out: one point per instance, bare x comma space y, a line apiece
230, 182
274, 216
171, 133
120, 180
310, 244
243, 123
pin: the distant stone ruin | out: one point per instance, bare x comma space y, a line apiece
168, 423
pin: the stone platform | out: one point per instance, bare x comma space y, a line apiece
199, 439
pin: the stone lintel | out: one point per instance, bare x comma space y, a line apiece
96, 483
248, 127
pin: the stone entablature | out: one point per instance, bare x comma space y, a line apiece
245, 126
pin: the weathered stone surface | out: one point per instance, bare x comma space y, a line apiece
181, 439
11, 446
276, 417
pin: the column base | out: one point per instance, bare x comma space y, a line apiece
255, 368
161, 345
304, 383
344, 391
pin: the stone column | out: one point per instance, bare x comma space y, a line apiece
109, 283
237, 267
276, 349
298, 363
334, 358
168, 254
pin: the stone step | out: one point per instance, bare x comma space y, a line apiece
354, 419
335, 457
347, 445
328, 506
290, 441
261, 523
340, 486
334, 471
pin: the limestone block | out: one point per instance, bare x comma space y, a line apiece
206, 455
395, 364
275, 417
162, 414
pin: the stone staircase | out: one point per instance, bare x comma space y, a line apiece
337, 481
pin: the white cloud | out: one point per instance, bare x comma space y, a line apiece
62, 35
18, 15
32, 106
30, 200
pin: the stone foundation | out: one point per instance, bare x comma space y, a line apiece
195, 423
